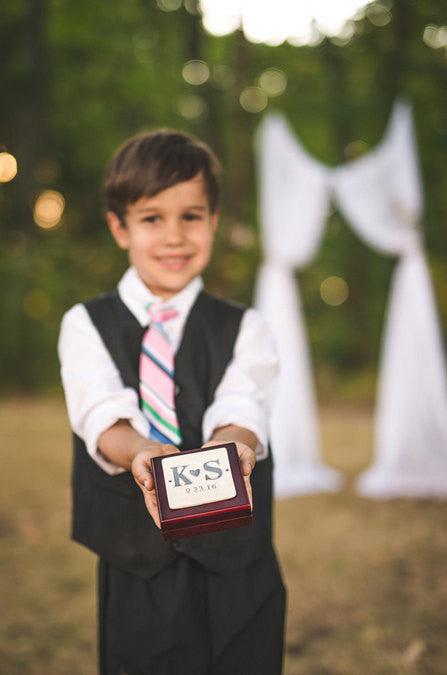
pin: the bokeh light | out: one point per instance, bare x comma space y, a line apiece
195, 72
192, 107
435, 36
36, 304
169, 5
48, 209
253, 99
191, 7
273, 81
334, 291
275, 22
344, 36
378, 14
8, 167
220, 18
242, 236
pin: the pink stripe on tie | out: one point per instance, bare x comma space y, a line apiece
157, 379
158, 405
161, 315
160, 348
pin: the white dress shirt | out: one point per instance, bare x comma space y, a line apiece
97, 398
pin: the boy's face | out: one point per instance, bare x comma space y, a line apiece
169, 236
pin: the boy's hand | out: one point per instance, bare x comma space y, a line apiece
142, 472
247, 460
125, 447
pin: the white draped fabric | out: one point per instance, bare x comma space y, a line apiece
380, 195
293, 209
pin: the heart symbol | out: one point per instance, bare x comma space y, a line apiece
194, 472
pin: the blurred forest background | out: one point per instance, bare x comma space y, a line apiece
79, 78
366, 579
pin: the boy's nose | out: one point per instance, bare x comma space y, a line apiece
174, 232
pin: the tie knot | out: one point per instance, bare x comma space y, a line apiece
159, 314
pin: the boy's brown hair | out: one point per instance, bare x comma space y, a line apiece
151, 162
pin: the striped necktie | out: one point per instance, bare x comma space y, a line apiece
157, 378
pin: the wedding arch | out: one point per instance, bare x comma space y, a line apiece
380, 195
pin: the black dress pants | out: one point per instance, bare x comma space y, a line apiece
189, 620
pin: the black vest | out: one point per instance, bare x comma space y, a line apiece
109, 514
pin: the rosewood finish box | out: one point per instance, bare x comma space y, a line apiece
200, 491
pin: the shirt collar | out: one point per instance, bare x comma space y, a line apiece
136, 296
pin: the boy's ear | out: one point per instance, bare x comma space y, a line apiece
215, 220
118, 230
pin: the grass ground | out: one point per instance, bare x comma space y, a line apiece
367, 582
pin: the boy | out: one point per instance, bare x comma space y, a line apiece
211, 604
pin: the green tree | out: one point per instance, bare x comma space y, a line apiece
79, 78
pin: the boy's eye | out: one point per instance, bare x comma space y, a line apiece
192, 216
150, 219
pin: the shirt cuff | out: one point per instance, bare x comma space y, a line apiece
102, 420
214, 420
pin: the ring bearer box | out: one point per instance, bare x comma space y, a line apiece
200, 491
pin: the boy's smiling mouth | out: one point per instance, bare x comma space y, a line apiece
174, 261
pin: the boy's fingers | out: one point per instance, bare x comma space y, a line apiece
249, 491
142, 473
247, 459
150, 500
144, 479
247, 456
141, 470
141, 465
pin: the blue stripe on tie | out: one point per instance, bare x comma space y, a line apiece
153, 358
156, 435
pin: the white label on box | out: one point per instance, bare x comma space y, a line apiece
198, 478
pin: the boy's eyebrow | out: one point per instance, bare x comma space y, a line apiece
149, 209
